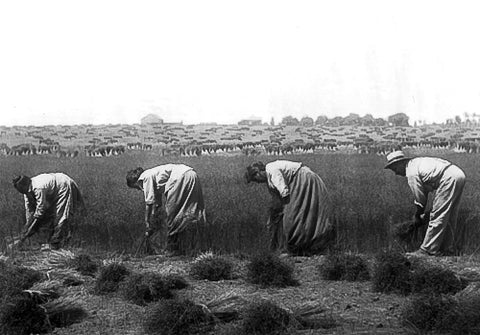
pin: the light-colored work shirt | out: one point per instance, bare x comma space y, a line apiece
280, 173
44, 189
160, 178
424, 175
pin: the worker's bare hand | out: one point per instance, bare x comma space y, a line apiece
417, 220
149, 232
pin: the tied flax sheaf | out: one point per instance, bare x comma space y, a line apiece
33, 296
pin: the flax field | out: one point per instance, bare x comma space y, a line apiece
366, 200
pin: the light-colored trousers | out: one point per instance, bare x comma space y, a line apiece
57, 221
442, 236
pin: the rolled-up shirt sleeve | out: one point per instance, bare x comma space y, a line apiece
418, 190
29, 208
278, 181
149, 190
41, 203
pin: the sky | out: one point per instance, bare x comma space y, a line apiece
98, 62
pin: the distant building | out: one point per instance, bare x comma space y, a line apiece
151, 119
251, 121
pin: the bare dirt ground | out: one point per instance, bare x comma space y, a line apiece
354, 305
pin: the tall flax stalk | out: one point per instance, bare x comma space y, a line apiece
365, 198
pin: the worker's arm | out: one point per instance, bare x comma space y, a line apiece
278, 182
157, 202
151, 201
30, 205
41, 203
419, 215
36, 207
419, 191
148, 216
30, 229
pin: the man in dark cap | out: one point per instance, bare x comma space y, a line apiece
184, 204
50, 202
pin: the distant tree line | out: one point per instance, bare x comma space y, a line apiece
352, 119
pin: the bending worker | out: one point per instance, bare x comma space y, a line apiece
51, 199
425, 175
299, 216
184, 204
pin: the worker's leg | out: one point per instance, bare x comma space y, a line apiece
454, 240
61, 234
439, 232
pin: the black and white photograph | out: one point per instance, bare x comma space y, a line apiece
239, 167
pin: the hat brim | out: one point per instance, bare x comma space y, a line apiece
395, 161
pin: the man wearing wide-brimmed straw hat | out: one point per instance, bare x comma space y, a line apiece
425, 175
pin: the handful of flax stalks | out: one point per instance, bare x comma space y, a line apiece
13, 242
407, 231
